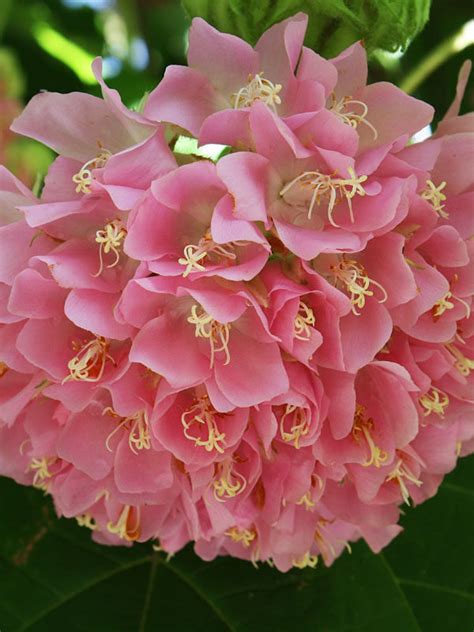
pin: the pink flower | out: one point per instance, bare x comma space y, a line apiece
226, 75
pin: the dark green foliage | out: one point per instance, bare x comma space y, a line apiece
52, 578
334, 24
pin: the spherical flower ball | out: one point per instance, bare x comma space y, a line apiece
266, 354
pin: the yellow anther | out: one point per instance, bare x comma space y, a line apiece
458, 448
207, 248
88, 364
327, 187
42, 474
217, 333
348, 116
399, 474
245, 536
202, 414
228, 483
299, 424
3, 369
362, 424
434, 401
110, 239
257, 89
306, 560
84, 177
307, 501
432, 194
353, 276
86, 520
138, 430
462, 364
304, 320
127, 526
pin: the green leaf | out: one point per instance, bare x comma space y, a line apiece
333, 24
53, 577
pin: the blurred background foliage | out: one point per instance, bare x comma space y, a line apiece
49, 44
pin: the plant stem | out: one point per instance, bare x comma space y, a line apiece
454, 44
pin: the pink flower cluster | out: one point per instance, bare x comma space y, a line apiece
266, 355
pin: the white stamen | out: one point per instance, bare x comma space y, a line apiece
446, 303
434, 401
400, 473
257, 89
124, 527
84, 177
110, 239
217, 333
304, 320
228, 483
203, 414
364, 425
245, 536
300, 424
194, 255
433, 195
89, 363
138, 429
352, 274
325, 186
352, 118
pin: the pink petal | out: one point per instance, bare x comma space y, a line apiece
94, 311
225, 59
254, 374
184, 97
161, 342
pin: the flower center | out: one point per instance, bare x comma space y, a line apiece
206, 247
245, 536
400, 474
363, 425
304, 320
217, 333
228, 483
328, 188
353, 276
41, 470
434, 401
462, 364
299, 424
138, 430
88, 364
432, 194
127, 526
351, 118
306, 560
257, 89
202, 415
83, 178
110, 239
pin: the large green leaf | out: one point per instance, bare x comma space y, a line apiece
333, 25
53, 578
